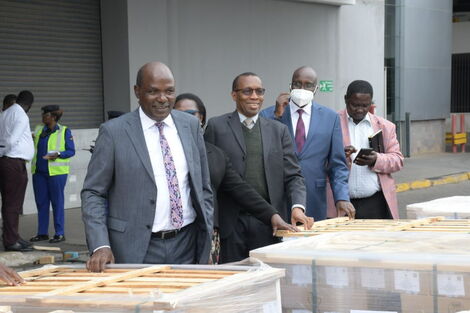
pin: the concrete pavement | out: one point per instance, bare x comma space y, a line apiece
419, 172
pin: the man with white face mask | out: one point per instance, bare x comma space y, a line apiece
316, 131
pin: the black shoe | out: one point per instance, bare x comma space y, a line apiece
17, 246
57, 238
39, 238
24, 242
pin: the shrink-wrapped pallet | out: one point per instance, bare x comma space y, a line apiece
139, 288
457, 207
358, 272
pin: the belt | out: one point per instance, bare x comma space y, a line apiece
168, 234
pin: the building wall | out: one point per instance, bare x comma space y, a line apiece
425, 56
206, 45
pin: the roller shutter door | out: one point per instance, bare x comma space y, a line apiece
53, 48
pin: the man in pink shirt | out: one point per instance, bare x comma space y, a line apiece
371, 186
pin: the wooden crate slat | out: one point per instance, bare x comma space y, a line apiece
103, 281
437, 224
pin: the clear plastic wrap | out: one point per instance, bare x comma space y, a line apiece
252, 289
457, 207
358, 272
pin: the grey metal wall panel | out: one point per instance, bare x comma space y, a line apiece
426, 59
53, 48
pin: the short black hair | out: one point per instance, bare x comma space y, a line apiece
360, 86
25, 97
200, 105
235, 81
140, 76
9, 100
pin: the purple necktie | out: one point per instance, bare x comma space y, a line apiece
300, 132
176, 205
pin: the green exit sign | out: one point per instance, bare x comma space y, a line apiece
326, 85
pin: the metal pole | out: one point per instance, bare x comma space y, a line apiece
407, 134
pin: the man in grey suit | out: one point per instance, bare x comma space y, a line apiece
146, 197
262, 152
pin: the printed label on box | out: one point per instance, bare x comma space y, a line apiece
302, 274
373, 278
337, 276
407, 281
362, 311
450, 285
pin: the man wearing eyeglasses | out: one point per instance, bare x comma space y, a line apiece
316, 131
262, 152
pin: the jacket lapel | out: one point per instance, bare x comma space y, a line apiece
186, 140
136, 134
345, 128
267, 138
315, 119
236, 127
287, 120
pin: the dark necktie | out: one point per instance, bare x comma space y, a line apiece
176, 206
300, 132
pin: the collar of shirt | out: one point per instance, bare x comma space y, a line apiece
243, 117
147, 122
366, 119
293, 108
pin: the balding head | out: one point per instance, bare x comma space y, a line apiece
154, 68
155, 89
304, 77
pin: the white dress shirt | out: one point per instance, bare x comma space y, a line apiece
363, 182
306, 116
15, 134
152, 139
243, 118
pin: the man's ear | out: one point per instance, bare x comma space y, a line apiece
234, 95
136, 91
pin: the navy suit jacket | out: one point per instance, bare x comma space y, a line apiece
322, 157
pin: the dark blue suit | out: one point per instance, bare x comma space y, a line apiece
322, 156
50, 189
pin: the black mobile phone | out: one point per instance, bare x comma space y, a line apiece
363, 152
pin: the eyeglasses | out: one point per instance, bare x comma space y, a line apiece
192, 112
249, 91
300, 85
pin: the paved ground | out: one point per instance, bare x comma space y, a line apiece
432, 167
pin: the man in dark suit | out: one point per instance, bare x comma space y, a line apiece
147, 197
261, 151
225, 179
316, 132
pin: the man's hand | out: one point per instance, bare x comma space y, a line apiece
98, 260
348, 150
281, 102
51, 156
9, 276
298, 216
278, 224
368, 160
345, 207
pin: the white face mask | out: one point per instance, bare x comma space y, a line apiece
301, 97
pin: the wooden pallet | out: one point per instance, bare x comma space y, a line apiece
340, 224
73, 286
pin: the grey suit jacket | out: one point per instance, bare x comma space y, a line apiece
119, 192
284, 180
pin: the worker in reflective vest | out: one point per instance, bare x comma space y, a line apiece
53, 149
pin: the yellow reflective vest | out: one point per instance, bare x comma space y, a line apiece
56, 142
